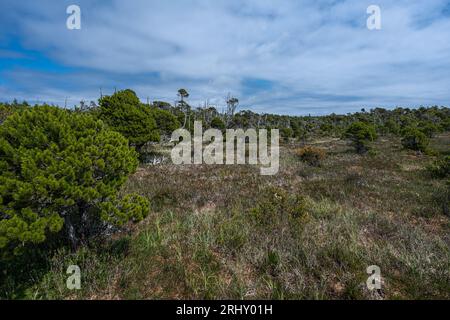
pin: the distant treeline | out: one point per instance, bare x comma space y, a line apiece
144, 122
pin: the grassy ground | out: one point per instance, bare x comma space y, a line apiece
307, 233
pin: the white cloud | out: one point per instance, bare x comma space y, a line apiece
318, 54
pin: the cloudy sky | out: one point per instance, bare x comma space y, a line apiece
280, 56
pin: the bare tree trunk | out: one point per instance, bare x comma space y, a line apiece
185, 118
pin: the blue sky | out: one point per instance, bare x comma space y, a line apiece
281, 56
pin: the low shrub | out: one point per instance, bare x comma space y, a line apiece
391, 127
217, 123
286, 133
429, 129
60, 174
276, 207
440, 168
361, 134
311, 155
414, 139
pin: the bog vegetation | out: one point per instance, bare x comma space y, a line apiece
93, 186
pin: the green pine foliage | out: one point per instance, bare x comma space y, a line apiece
5, 112
124, 113
218, 123
361, 134
391, 127
8, 109
440, 168
165, 121
60, 173
286, 133
415, 139
428, 128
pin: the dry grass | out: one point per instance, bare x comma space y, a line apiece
306, 233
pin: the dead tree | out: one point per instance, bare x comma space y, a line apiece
182, 93
232, 104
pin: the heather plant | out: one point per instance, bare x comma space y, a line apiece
311, 155
60, 173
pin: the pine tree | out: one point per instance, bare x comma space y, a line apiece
361, 135
60, 173
124, 113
